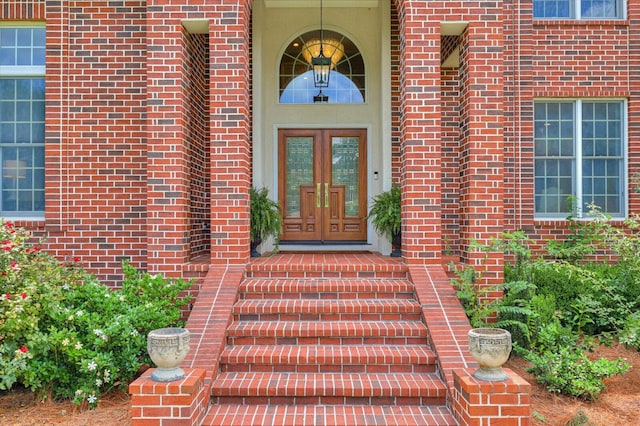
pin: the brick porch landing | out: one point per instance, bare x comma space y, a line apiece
345, 339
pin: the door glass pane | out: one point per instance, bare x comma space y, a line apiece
299, 171
344, 171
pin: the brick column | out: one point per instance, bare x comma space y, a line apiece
229, 44
420, 135
167, 165
182, 402
476, 403
482, 144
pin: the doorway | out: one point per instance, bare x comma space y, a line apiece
322, 185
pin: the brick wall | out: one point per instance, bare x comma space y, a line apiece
562, 59
95, 134
196, 84
450, 197
420, 133
132, 172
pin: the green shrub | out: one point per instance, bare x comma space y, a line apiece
570, 372
556, 309
630, 333
65, 335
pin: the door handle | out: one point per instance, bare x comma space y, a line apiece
318, 195
326, 195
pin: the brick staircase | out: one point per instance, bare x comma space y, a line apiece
324, 344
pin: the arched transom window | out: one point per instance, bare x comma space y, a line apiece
347, 77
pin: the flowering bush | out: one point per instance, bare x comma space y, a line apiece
64, 334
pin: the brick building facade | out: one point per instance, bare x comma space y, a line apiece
159, 115
134, 129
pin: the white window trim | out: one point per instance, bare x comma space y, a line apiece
23, 71
578, 156
576, 13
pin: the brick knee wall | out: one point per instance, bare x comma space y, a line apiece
479, 403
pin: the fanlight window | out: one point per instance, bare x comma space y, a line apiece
347, 77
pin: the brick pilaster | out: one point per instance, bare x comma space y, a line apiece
420, 135
482, 150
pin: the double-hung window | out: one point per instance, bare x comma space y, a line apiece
579, 149
578, 9
22, 120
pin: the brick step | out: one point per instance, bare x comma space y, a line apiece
328, 358
326, 289
326, 266
328, 415
326, 332
329, 388
330, 310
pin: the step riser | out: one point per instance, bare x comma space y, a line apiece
325, 296
373, 340
409, 316
329, 400
337, 368
393, 275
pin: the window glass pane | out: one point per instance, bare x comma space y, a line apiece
554, 157
345, 154
346, 78
299, 171
602, 163
552, 8
7, 112
599, 9
22, 46
22, 118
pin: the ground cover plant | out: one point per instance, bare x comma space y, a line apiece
562, 303
63, 334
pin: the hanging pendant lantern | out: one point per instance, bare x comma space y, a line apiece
321, 65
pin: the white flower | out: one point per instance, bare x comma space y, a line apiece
79, 392
107, 295
92, 366
134, 332
78, 346
65, 342
98, 382
92, 399
107, 373
66, 287
79, 313
70, 318
98, 332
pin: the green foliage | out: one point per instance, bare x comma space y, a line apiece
558, 305
513, 311
570, 371
559, 361
630, 333
385, 214
65, 335
266, 218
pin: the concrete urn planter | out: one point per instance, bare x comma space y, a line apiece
167, 348
490, 347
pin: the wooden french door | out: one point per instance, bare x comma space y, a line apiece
322, 184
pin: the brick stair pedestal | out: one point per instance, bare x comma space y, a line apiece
478, 403
181, 402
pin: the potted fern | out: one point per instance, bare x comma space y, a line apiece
266, 220
385, 216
